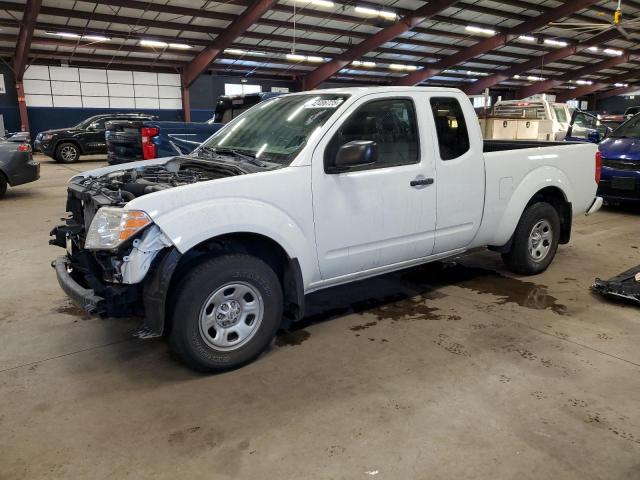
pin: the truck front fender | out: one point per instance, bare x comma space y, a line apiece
535, 181
196, 223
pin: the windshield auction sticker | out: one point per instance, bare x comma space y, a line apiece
324, 103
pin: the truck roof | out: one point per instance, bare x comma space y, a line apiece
368, 90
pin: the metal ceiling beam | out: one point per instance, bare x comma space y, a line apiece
540, 87
492, 43
224, 40
617, 91
538, 62
385, 35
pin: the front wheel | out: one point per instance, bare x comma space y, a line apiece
67, 153
227, 311
535, 240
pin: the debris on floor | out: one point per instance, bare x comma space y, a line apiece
623, 286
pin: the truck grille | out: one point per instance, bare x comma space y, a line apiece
621, 164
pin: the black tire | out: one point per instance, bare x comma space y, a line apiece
67, 153
3, 185
519, 259
187, 338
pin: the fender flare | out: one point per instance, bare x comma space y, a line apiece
529, 186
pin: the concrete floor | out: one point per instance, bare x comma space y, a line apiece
459, 372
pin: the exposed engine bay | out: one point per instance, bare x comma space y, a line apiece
122, 186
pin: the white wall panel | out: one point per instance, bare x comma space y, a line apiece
93, 75
170, 79
117, 102
170, 103
96, 102
145, 78
149, 103
37, 87
118, 76
67, 101
98, 88
94, 89
169, 92
65, 88
37, 72
39, 100
64, 73
120, 90
146, 91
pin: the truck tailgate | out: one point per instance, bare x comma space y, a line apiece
124, 143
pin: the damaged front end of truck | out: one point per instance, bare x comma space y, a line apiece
118, 263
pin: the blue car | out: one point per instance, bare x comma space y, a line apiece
620, 149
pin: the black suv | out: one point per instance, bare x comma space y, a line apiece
87, 138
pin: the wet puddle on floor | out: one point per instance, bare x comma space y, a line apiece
404, 295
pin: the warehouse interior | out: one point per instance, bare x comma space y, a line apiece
454, 363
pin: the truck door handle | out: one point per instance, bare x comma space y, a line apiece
421, 182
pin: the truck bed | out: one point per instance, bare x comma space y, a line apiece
502, 145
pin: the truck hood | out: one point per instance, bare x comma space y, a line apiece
621, 148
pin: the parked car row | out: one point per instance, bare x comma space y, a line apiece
620, 150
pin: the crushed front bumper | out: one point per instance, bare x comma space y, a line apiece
83, 297
623, 286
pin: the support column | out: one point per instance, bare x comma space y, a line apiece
22, 108
186, 103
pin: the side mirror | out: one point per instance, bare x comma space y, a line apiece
594, 136
355, 154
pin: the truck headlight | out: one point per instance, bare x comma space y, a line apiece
113, 226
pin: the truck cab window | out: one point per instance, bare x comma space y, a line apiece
391, 124
451, 127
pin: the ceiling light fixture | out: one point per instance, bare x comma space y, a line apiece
153, 44
527, 38
64, 34
483, 31
593, 49
358, 63
584, 82
535, 79
96, 38
180, 46
620, 85
397, 66
555, 43
318, 3
611, 51
372, 12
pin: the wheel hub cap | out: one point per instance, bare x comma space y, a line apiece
231, 316
540, 240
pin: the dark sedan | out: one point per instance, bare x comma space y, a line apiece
16, 165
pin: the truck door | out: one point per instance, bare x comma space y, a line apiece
459, 170
94, 140
585, 127
384, 212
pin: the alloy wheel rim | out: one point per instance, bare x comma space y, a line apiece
231, 316
540, 240
68, 153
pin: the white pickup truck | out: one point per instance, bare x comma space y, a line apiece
306, 191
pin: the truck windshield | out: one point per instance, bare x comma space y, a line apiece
275, 130
631, 128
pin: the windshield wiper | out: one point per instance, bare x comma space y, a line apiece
242, 155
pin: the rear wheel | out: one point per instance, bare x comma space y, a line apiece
3, 185
227, 311
67, 153
535, 240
